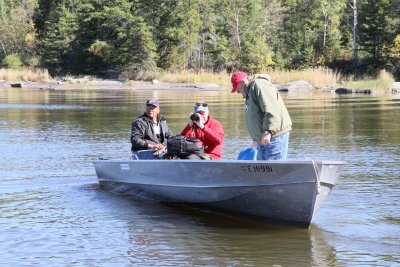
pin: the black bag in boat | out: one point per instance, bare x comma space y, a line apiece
184, 146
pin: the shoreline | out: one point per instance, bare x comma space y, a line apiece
110, 85
100, 84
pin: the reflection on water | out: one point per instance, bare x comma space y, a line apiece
53, 212
230, 241
191, 233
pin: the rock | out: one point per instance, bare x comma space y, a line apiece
296, 85
16, 85
342, 91
4, 83
396, 87
155, 81
300, 85
102, 82
111, 74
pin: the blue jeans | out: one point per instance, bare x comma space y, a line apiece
277, 149
143, 154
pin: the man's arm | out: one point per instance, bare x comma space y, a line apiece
137, 136
215, 134
267, 96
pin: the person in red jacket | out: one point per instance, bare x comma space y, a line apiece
202, 126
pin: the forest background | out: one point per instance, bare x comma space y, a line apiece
130, 39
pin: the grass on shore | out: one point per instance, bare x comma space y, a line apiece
318, 77
383, 82
185, 76
25, 74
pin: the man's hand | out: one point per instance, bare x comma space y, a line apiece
190, 122
266, 138
159, 152
156, 146
200, 122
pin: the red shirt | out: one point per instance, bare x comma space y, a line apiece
212, 136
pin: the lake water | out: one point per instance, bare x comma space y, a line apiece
53, 213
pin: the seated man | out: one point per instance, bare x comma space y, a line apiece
202, 126
150, 132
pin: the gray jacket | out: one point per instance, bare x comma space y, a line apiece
143, 133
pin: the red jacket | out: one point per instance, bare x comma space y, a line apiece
212, 136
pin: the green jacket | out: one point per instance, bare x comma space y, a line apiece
265, 110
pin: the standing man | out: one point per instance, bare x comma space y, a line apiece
202, 126
150, 132
267, 119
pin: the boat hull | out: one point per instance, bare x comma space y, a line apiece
289, 191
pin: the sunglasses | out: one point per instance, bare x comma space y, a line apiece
201, 104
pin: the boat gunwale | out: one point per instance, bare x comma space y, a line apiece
291, 161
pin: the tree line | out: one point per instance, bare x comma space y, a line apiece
132, 37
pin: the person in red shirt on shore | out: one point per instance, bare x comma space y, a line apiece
202, 126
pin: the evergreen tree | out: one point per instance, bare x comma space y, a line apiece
125, 36
373, 26
58, 34
135, 36
176, 28
94, 37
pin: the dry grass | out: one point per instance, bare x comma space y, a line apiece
25, 74
193, 77
384, 81
318, 77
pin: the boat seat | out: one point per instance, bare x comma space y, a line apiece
248, 154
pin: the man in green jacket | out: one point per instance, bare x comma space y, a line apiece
267, 119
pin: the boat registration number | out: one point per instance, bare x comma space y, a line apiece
256, 168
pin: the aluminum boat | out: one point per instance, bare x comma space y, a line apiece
279, 191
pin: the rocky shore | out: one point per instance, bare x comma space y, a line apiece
108, 85
103, 84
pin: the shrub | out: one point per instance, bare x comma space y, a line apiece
13, 61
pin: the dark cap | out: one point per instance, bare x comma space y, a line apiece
153, 101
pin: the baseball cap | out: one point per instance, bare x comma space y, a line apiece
237, 76
153, 101
200, 106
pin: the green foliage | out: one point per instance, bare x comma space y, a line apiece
394, 58
57, 38
96, 36
176, 31
13, 61
257, 56
373, 26
394, 50
101, 49
134, 37
125, 39
16, 30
